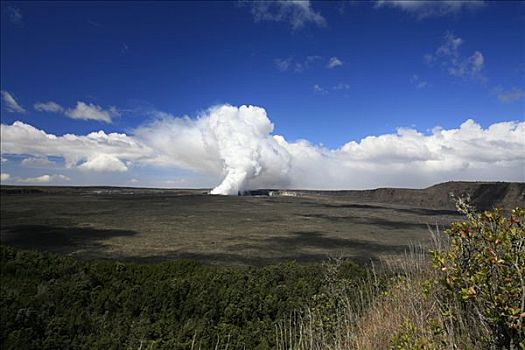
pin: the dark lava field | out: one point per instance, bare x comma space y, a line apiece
146, 225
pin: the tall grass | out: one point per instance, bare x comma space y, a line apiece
366, 315
406, 304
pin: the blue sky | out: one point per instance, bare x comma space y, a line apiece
326, 72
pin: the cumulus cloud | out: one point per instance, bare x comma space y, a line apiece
334, 62
296, 12
4, 177
238, 144
449, 57
10, 104
24, 139
433, 8
44, 179
90, 111
51, 107
508, 96
411, 158
104, 162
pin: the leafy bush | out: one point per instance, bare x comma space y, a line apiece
483, 271
409, 337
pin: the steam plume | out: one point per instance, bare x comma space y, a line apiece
243, 136
237, 145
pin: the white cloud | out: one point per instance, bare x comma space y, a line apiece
238, 144
39, 179
24, 139
82, 111
320, 90
283, 64
104, 162
10, 104
51, 107
296, 12
296, 65
418, 82
44, 179
341, 86
37, 162
476, 61
449, 57
334, 62
234, 142
450, 45
91, 111
413, 159
469, 67
4, 177
508, 96
61, 177
425, 9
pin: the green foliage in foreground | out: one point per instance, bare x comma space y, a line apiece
484, 270
478, 286
56, 302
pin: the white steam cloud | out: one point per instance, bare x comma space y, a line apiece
238, 144
243, 137
233, 141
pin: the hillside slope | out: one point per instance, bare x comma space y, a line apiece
484, 195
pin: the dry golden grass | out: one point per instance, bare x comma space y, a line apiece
407, 314
403, 303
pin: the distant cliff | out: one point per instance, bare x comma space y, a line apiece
484, 195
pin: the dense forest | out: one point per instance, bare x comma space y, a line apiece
56, 302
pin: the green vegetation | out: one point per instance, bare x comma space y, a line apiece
484, 271
468, 294
474, 297
55, 302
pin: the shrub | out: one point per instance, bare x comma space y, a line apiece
483, 274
